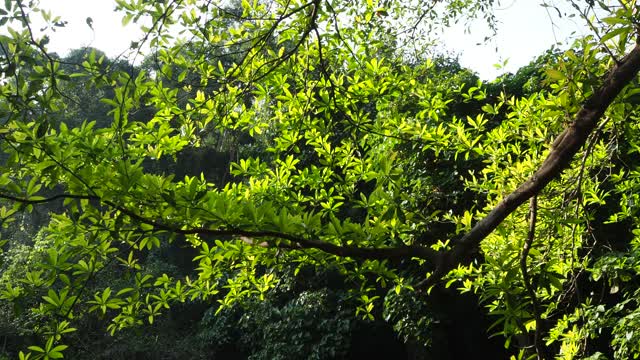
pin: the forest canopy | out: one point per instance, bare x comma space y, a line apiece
320, 161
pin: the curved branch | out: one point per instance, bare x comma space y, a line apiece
369, 253
41, 200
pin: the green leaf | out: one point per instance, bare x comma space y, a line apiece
554, 75
623, 31
36, 348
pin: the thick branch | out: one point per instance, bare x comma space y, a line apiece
565, 146
399, 252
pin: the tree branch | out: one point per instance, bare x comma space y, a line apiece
528, 243
369, 253
41, 200
563, 149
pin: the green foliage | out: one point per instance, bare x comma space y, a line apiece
313, 323
346, 153
411, 318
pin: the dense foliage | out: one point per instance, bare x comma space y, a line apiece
293, 172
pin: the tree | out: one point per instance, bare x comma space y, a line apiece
345, 114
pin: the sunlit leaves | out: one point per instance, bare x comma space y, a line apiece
104, 301
50, 350
334, 138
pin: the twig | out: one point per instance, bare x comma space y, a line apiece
528, 244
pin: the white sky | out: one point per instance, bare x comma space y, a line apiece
108, 33
526, 30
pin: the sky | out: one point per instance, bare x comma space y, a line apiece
526, 29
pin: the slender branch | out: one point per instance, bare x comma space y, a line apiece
343, 251
40, 200
313, 18
400, 252
577, 193
593, 28
533, 214
94, 273
38, 44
